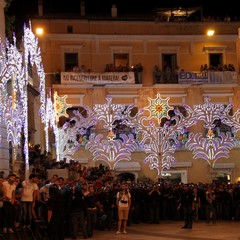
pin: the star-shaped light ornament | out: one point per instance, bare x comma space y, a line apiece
158, 108
60, 106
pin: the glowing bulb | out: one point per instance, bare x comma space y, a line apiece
210, 32
39, 31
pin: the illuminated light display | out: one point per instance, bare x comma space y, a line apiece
106, 147
50, 121
32, 58
11, 108
60, 106
72, 135
14, 67
111, 150
14, 122
160, 143
212, 147
158, 108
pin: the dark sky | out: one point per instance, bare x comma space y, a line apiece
22, 9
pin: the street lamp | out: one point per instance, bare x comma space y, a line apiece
39, 31
210, 32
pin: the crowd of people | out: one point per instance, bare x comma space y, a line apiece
166, 75
98, 200
220, 67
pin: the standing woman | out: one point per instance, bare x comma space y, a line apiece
123, 204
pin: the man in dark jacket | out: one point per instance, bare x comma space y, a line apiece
186, 202
78, 211
56, 215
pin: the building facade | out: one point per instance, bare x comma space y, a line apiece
164, 57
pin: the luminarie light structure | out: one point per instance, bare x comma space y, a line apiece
213, 147
72, 133
11, 104
60, 106
14, 67
159, 142
106, 147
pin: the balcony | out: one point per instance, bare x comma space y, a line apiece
208, 77
211, 77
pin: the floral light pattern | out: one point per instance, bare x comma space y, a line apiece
158, 108
60, 106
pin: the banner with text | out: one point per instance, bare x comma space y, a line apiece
193, 77
208, 77
97, 78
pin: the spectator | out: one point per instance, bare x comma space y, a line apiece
8, 203
139, 70
123, 203
156, 74
28, 199
186, 202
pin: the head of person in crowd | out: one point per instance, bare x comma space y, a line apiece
185, 187
70, 181
84, 187
53, 190
2, 179
33, 178
11, 178
124, 187
91, 189
17, 181
54, 178
2, 174
60, 182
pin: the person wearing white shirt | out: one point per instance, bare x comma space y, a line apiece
28, 198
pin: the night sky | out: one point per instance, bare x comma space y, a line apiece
24, 9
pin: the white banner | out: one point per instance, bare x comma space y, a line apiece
97, 78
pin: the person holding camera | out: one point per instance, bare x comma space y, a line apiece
123, 204
154, 203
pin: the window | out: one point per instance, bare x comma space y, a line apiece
69, 29
215, 59
71, 60
121, 61
169, 65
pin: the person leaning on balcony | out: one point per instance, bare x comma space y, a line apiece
139, 69
123, 204
156, 74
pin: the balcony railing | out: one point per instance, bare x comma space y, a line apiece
208, 77
159, 78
